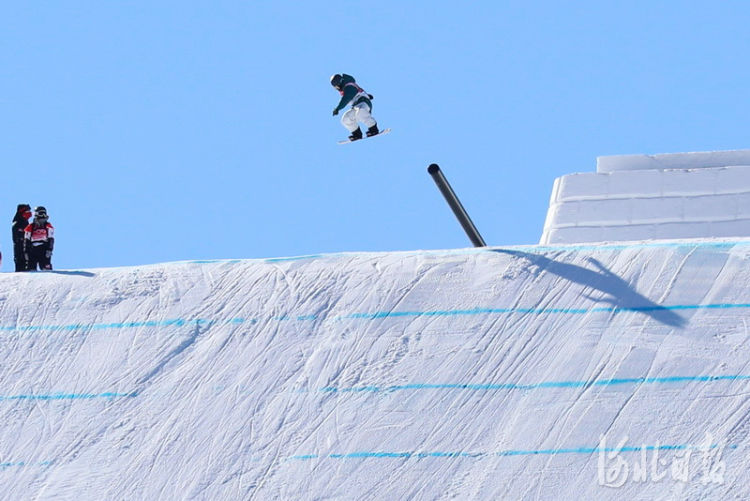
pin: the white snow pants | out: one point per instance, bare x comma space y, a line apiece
359, 113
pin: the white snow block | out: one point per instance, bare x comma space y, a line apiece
733, 180
641, 184
663, 161
581, 186
651, 204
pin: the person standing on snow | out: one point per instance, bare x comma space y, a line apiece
39, 240
361, 102
20, 222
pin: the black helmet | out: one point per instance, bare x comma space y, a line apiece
22, 208
40, 212
336, 80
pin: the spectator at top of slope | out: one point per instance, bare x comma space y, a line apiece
20, 222
39, 241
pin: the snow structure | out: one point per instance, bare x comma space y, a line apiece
642, 197
533, 372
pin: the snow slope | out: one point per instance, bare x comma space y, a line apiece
518, 373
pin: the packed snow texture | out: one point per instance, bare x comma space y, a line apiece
667, 161
640, 197
578, 372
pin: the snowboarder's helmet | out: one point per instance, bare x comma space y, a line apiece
336, 80
23, 208
40, 212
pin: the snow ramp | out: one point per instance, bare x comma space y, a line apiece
566, 372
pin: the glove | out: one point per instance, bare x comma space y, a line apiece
335, 111
48, 267
48, 254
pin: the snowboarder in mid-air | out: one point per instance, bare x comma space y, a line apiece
361, 106
39, 240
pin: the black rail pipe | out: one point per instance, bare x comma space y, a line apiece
455, 205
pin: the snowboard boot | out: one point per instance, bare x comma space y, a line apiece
373, 131
357, 134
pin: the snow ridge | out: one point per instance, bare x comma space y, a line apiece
535, 372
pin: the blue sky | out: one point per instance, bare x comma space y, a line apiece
165, 131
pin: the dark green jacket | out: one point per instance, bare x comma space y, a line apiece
349, 90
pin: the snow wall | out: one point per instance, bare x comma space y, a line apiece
639, 197
570, 372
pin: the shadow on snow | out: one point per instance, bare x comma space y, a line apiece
618, 293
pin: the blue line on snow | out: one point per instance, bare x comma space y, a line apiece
536, 311
532, 386
180, 322
20, 464
177, 322
68, 396
506, 453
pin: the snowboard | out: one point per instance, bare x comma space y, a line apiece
384, 131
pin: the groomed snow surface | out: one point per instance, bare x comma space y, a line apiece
568, 372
